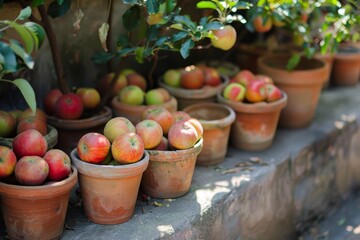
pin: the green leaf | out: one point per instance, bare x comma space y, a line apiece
102, 57
131, 18
24, 13
177, 26
10, 63
36, 3
37, 32
130, 1
178, 36
25, 35
123, 40
185, 48
139, 54
19, 51
170, 5
27, 91
125, 52
56, 10
161, 41
185, 20
206, 4
152, 33
213, 25
293, 62
152, 6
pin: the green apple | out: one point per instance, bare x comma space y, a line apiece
132, 94
172, 77
234, 92
157, 96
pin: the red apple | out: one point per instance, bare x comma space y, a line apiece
32, 123
29, 113
182, 135
7, 124
244, 77
59, 164
117, 126
181, 115
31, 170
234, 92
163, 145
172, 77
261, 24
212, 76
198, 127
150, 132
93, 147
157, 96
265, 78
256, 91
51, 99
161, 115
192, 77
273, 93
104, 84
224, 38
69, 106
132, 95
137, 80
7, 161
30, 143
89, 96
127, 148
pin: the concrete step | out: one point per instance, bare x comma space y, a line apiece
275, 196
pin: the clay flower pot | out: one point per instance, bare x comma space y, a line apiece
302, 85
51, 138
70, 131
170, 173
329, 60
346, 68
133, 112
216, 120
256, 123
109, 192
36, 212
187, 97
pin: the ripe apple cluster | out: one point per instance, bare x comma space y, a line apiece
163, 130
134, 95
247, 87
71, 105
31, 163
18, 121
192, 77
127, 77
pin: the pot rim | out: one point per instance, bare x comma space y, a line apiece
204, 92
77, 124
210, 124
175, 155
44, 191
110, 171
259, 107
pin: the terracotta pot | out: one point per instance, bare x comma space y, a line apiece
70, 131
187, 97
216, 120
302, 86
329, 60
256, 123
346, 68
170, 173
109, 192
36, 212
133, 113
51, 138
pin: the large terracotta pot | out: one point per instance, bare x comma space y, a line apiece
70, 131
346, 67
109, 192
187, 97
170, 173
256, 123
36, 212
134, 113
216, 120
302, 85
329, 60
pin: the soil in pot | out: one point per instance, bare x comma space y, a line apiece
216, 120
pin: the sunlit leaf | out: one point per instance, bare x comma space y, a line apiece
19, 51
25, 13
25, 35
103, 32
27, 91
206, 4
37, 32
139, 54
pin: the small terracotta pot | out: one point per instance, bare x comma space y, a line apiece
70, 131
346, 68
170, 173
109, 192
134, 113
256, 123
187, 97
36, 212
216, 120
51, 138
302, 85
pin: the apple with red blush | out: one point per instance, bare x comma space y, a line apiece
7, 161
182, 135
89, 96
136, 79
93, 147
127, 148
224, 38
50, 100
256, 91
181, 115
117, 126
31, 170
30, 143
161, 115
244, 77
32, 123
150, 132
69, 106
59, 164
273, 93
192, 77
212, 76
163, 145
234, 92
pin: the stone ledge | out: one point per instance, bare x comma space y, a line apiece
306, 170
